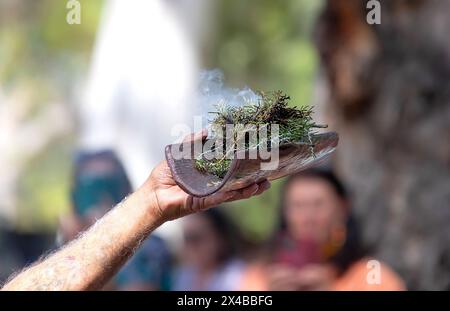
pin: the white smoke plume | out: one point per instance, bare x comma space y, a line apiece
213, 93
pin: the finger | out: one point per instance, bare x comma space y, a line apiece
201, 135
244, 193
282, 278
248, 192
263, 186
284, 284
162, 174
280, 272
217, 198
220, 197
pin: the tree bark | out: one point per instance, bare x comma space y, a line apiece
386, 90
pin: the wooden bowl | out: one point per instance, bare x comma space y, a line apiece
244, 172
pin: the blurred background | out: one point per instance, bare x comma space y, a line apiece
86, 110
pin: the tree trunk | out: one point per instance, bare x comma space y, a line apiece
387, 93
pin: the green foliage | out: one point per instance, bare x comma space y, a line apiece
218, 167
267, 45
295, 126
261, 42
44, 188
41, 60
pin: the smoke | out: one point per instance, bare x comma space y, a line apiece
214, 93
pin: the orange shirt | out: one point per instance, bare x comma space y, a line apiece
365, 274
368, 274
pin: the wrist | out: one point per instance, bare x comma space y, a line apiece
153, 206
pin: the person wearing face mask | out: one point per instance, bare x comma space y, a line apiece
94, 257
100, 182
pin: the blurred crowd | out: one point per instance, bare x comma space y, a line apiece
315, 246
116, 89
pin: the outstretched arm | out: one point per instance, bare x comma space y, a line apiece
89, 261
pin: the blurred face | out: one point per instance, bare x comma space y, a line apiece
90, 202
102, 169
312, 209
202, 245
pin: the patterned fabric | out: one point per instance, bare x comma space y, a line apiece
150, 266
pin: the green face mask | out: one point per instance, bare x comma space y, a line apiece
91, 191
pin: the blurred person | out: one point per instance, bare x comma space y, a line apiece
145, 57
93, 258
18, 248
317, 245
149, 268
99, 183
210, 261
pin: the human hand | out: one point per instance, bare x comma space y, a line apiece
310, 277
171, 202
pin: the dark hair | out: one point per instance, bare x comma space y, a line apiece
322, 174
225, 230
351, 250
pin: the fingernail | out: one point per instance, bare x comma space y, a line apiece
267, 185
256, 189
